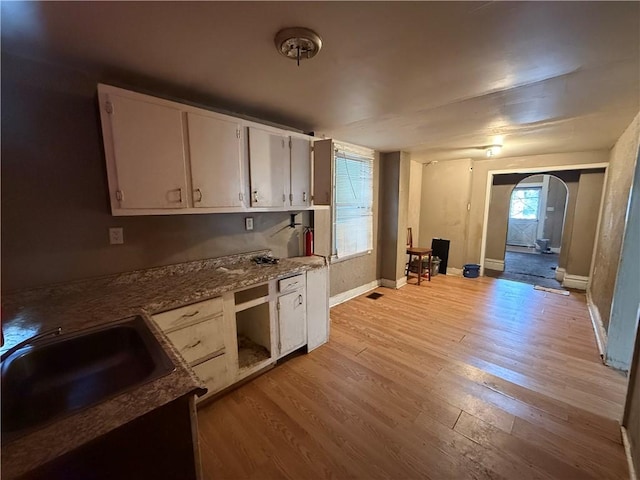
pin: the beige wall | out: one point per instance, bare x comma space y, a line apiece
403, 204
443, 209
585, 221
415, 195
616, 197
55, 206
567, 231
498, 221
390, 205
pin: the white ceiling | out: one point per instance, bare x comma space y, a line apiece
437, 78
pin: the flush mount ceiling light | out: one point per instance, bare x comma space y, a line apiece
492, 150
298, 43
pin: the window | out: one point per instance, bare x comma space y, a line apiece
525, 203
353, 202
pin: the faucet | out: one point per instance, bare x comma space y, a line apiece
29, 341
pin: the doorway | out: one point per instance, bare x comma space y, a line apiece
535, 223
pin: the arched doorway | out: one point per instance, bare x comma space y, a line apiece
535, 225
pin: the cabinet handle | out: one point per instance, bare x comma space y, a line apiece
299, 299
255, 196
190, 314
199, 192
194, 344
304, 196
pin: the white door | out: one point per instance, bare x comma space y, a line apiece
522, 232
268, 157
214, 148
292, 321
148, 147
300, 172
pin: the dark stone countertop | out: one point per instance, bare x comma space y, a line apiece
93, 302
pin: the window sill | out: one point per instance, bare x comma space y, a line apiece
336, 259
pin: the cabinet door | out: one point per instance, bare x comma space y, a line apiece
214, 148
317, 307
148, 151
292, 321
268, 157
300, 172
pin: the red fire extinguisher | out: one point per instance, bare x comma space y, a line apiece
308, 241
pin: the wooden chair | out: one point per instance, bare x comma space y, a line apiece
420, 253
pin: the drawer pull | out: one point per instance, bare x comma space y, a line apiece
193, 345
189, 315
299, 299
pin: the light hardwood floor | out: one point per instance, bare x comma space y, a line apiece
457, 378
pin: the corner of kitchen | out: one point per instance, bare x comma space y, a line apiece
101, 366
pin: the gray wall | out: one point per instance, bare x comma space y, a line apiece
616, 197
55, 209
556, 199
631, 420
443, 210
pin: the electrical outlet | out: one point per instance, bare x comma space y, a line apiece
116, 236
248, 223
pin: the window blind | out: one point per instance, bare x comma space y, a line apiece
353, 202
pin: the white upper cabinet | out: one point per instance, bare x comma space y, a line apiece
147, 146
214, 150
268, 157
300, 195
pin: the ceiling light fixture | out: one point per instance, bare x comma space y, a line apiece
298, 43
493, 150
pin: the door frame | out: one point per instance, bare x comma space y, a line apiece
541, 170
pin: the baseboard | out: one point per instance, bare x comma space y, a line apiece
354, 292
598, 326
575, 281
627, 451
555, 249
456, 272
401, 282
560, 273
493, 264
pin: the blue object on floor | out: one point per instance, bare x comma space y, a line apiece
471, 270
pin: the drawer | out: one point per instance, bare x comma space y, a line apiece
181, 317
291, 283
197, 341
213, 373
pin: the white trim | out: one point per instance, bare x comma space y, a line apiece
598, 326
493, 264
456, 272
396, 284
555, 249
354, 292
627, 452
487, 193
575, 281
560, 273
337, 259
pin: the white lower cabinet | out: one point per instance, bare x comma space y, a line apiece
228, 338
292, 321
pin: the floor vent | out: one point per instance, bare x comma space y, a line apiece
375, 296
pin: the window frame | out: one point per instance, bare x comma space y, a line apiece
533, 187
354, 153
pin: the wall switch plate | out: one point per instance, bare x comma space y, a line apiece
116, 236
248, 223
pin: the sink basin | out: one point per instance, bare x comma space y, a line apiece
57, 377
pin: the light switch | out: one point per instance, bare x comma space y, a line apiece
248, 223
116, 236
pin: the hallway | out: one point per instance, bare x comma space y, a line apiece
530, 268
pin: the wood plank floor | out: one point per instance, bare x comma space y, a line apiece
457, 378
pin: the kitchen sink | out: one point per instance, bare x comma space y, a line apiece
54, 378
